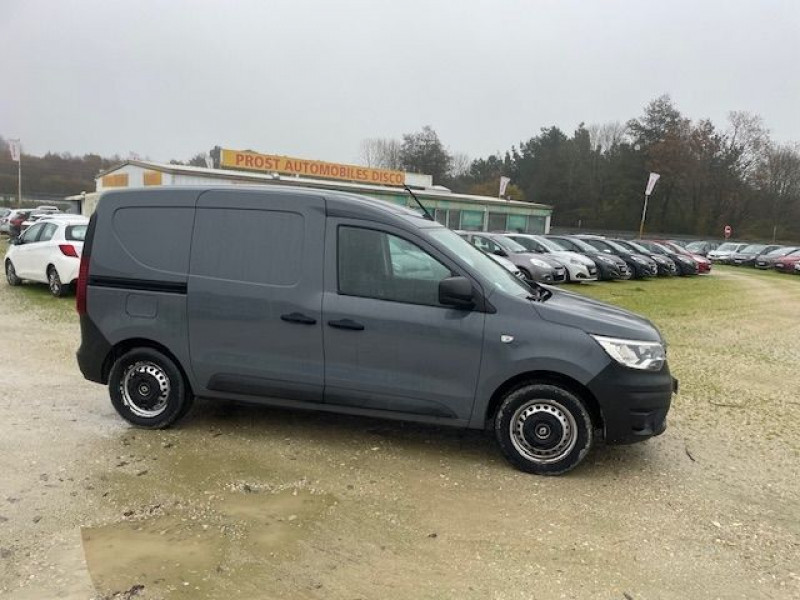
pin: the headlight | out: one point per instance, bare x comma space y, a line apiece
605, 259
539, 263
575, 261
647, 356
639, 260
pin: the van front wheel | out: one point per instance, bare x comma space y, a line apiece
543, 429
147, 389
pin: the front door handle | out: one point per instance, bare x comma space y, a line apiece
297, 317
346, 324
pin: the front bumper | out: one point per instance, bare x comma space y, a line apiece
582, 272
634, 404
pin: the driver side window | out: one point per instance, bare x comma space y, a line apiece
375, 264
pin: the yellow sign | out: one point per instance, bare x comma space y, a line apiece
270, 163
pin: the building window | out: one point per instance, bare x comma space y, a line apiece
454, 218
441, 216
472, 220
535, 224
497, 222
517, 223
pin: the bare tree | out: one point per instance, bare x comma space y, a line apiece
604, 136
748, 140
380, 153
460, 164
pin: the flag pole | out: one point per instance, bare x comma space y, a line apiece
19, 180
644, 214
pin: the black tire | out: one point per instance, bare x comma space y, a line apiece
11, 274
57, 288
148, 390
554, 436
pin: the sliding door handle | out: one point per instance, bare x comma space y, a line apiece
346, 324
300, 318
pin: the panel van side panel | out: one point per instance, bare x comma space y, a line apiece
138, 268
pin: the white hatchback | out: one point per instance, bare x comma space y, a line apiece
579, 267
48, 252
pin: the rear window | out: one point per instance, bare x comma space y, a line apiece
76, 233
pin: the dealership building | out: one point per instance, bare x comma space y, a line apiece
457, 211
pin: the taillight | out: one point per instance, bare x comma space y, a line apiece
83, 280
68, 250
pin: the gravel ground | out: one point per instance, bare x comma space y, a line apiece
249, 502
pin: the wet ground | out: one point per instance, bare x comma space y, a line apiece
250, 502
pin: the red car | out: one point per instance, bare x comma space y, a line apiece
786, 264
703, 264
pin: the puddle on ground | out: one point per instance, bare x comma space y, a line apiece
185, 553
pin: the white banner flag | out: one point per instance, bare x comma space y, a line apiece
13, 146
504, 181
651, 183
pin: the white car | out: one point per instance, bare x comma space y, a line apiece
579, 267
724, 252
48, 252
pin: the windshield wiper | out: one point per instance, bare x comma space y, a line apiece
425, 212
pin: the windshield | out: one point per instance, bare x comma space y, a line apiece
695, 246
575, 243
551, 245
498, 275
636, 247
728, 247
617, 247
780, 251
510, 244
753, 249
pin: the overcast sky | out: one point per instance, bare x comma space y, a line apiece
312, 79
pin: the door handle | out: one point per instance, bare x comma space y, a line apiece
346, 324
297, 317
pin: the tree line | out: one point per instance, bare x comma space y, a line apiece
594, 177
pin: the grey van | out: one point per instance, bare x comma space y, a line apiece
321, 300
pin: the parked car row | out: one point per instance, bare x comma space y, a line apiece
782, 258
576, 258
14, 221
47, 252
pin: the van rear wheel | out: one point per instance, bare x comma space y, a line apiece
543, 429
147, 389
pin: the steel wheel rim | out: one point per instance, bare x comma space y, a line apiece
543, 431
55, 283
145, 389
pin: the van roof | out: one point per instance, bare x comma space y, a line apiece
339, 204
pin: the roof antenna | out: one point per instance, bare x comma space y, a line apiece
425, 212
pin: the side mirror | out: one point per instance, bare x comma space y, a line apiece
456, 292
499, 252
16, 241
